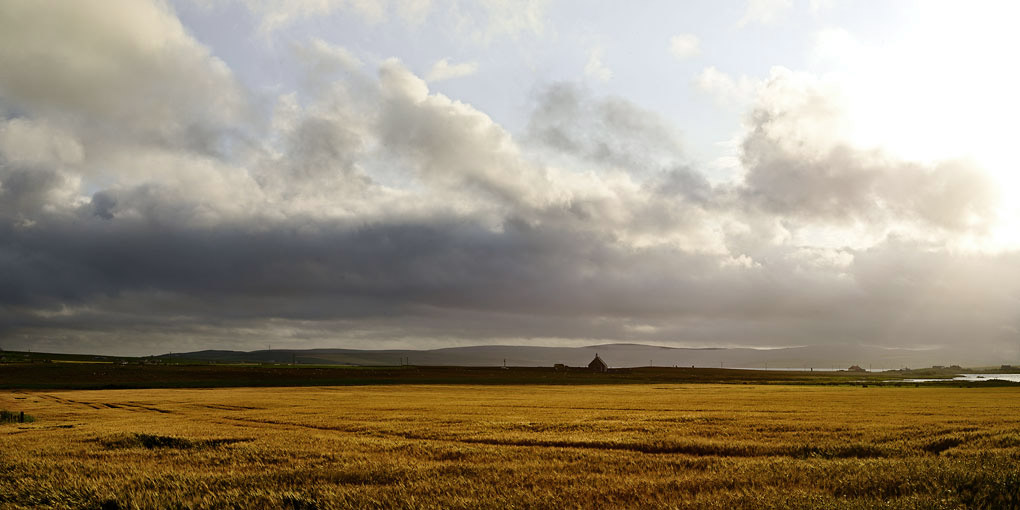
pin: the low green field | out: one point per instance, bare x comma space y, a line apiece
505, 446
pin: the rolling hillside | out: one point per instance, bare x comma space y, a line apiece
616, 355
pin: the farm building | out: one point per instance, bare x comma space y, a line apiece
598, 365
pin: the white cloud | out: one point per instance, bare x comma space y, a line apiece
595, 68
395, 80
122, 65
801, 162
684, 46
25, 141
329, 57
325, 63
452, 146
763, 11
445, 70
727, 91
114, 94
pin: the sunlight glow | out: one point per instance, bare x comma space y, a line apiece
946, 90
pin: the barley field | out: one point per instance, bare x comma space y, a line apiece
607, 446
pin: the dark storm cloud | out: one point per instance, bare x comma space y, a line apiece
558, 263
455, 279
452, 263
103, 203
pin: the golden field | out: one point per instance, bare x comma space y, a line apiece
628, 446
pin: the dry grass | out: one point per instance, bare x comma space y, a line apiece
655, 446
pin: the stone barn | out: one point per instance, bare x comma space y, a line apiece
597, 365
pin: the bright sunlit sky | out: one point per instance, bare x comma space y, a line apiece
421, 173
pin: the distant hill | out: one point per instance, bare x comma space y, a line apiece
616, 355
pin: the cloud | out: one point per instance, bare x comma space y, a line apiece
611, 131
325, 59
444, 70
595, 69
95, 95
328, 282
320, 157
364, 207
763, 11
684, 46
800, 162
25, 141
451, 145
727, 91
109, 66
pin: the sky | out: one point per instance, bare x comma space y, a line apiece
234, 174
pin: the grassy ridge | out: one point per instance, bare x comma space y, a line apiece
481, 447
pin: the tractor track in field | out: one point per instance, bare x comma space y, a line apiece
127, 406
692, 448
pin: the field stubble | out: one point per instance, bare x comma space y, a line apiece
632, 446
